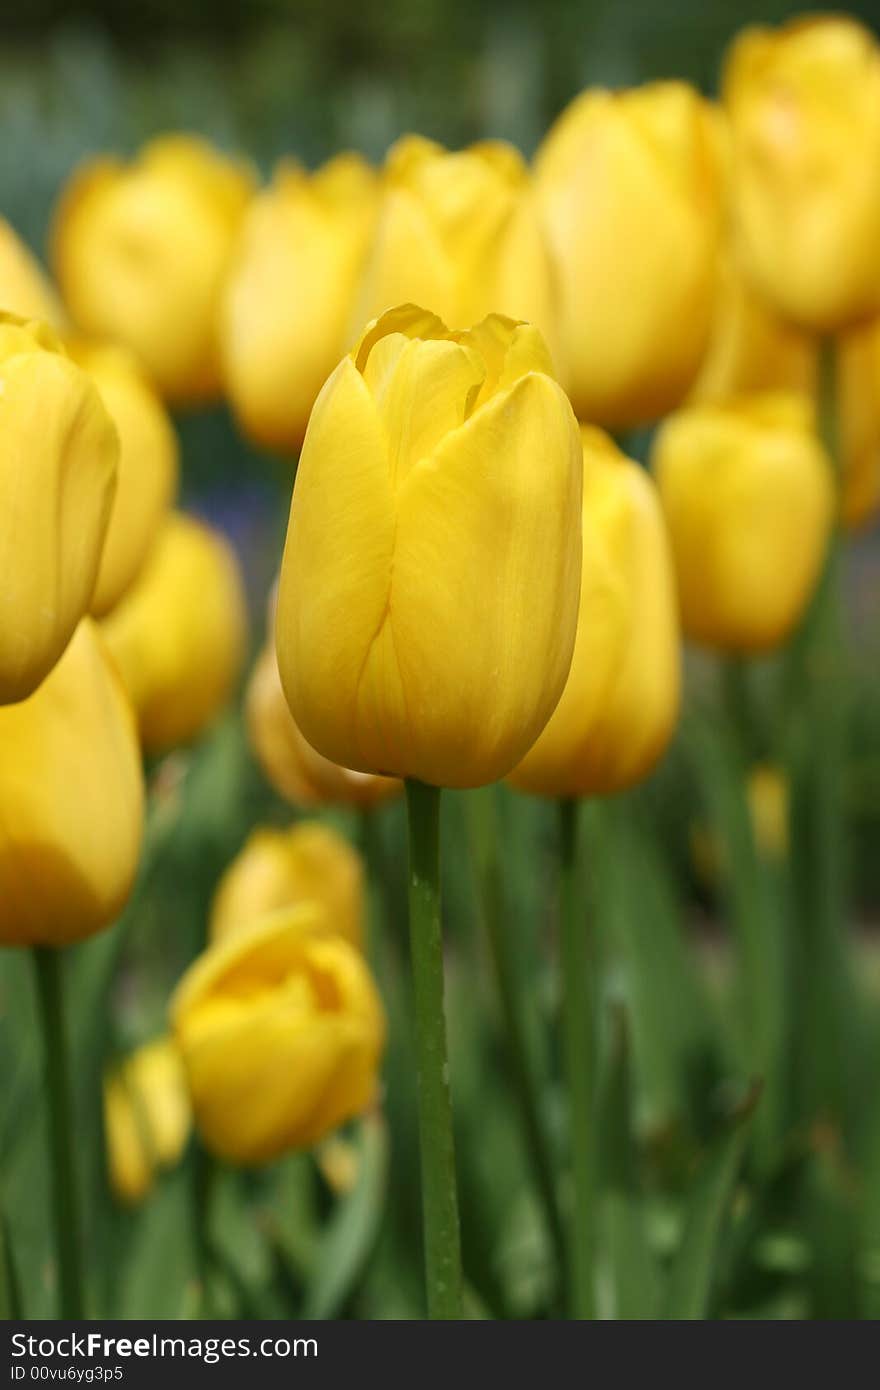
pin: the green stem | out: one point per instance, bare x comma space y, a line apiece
204, 1182
578, 1043
65, 1211
502, 951
439, 1195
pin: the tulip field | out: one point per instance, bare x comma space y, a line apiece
439, 651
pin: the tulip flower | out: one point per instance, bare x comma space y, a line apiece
630, 185
429, 588
621, 700
310, 862
148, 466
141, 250
459, 230
281, 1032
71, 789
58, 462
747, 492
147, 1118
178, 635
24, 288
288, 303
804, 107
858, 401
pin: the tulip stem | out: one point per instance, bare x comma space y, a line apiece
578, 1043
439, 1194
65, 1210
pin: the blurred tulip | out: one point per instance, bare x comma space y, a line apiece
460, 231
804, 106
179, 634
309, 862
621, 701
58, 463
429, 588
141, 251
858, 419
768, 798
630, 184
281, 1031
24, 288
148, 466
747, 492
288, 302
147, 1118
71, 789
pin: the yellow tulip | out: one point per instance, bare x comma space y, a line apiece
630, 184
148, 466
179, 633
460, 231
147, 1117
281, 1031
804, 105
858, 401
621, 700
71, 789
429, 588
58, 462
309, 862
747, 492
24, 288
288, 302
141, 251
768, 800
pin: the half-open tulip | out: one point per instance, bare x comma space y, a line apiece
71, 789
630, 184
429, 589
287, 307
858, 401
621, 700
147, 1117
24, 288
747, 492
804, 106
281, 1031
58, 462
141, 250
179, 633
309, 862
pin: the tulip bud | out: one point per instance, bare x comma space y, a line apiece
179, 633
141, 251
24, 289
309, 862
621, 700
804, 106
148, 466
768, 801
71, 789
858, 402
460, 231
429, 588
747, 492
281, 1031
147, 1118
288, 302
630, 184
58, 461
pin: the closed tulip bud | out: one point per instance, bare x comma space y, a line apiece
147, 1118
281, 1031
148, 467
141, 251
24, 289
747, 492
71, 789
429, 588
621, 700
858, 399
630, 185
58, 462
309, 862
288, 302
179, 633
804, 105
768, 801
461, 231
